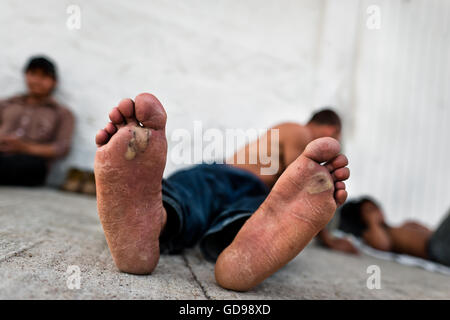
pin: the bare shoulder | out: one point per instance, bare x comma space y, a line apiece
292, 131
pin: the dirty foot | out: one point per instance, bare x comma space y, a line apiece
301, 203
129, 166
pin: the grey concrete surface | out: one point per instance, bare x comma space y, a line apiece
44, 231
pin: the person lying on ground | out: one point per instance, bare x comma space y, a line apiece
364, 218
249, 223
34, 128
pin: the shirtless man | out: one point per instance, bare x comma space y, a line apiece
250, 224
293, 139
364, 218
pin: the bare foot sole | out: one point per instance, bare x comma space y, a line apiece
129, 166
300, 204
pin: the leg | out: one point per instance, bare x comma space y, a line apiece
22, 170
202, 200
129, 165
300, 204
191, 198
439, 243
134, 205
228, 223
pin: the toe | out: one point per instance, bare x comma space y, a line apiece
322, 149
116, 117
126, 108
339, 162
101, 138
341, 174
149, 111
110, 129
340, 196
339, 185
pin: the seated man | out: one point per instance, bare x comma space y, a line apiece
364, 218
254, 223
34, 128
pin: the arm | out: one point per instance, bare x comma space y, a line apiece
2, 106
56, 149
335, 243
40, 150
4, 103
325, 237
63, 137
378, 237
13, 144
293, 139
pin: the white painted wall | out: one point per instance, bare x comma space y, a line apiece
248, 64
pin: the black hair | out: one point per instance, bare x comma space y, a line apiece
326, 117
41, 63
350, 218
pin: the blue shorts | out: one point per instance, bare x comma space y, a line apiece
207, 205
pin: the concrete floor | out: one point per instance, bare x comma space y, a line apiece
43, 232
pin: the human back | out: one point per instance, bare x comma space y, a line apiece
270, 154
